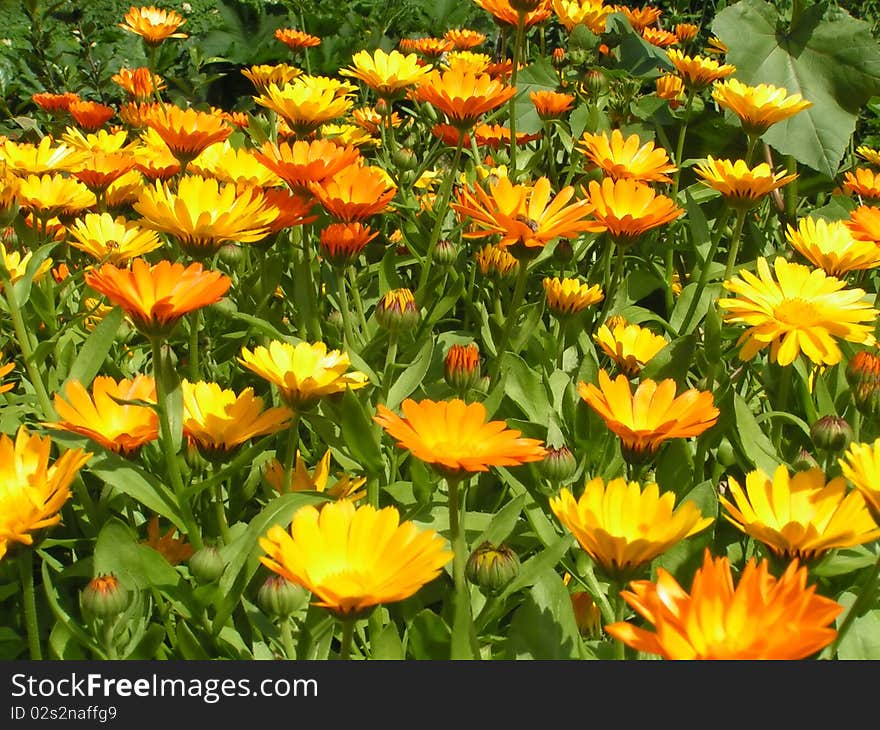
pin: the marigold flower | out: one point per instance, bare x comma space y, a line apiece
114, 240
496, 261
803, 310
98, 170
591, 13
831, 246
54, 103
461, 366
32, 491
464, 39
868, 154
303, 373
758, 107
466, 62
741, 186
291, 209
863, 182
153, 24
187, 131
620, 157
759, 618
90, 114
686, 32
104, 417
172, 545
653, 414
864, 223
432, 48
355, 192
218, 420
387, 74
139, 83
566, 297
624, 525
640, 18
347, 135
16, 264
23, 158
371, 121
304, 106
202, 213
397, 310
4, 371
659, 37
54, 195
153, 159
629, 345
345, 487
454, 436
263, 75
342, 243
551, 104
861, 466
698, 72
134, 114
123, 192
503, 12
302, 162
238, 165
863, 376
463, 97
800, 515
628, 209
353, 559
296, 40
156, 296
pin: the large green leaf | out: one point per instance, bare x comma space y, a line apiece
831, 60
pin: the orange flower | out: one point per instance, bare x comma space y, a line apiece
430, 47
628, 208
90, 114
671, 88
551, 104
504, 13
741, 186
640, 18
4, 371
54, 103
140, 83
698, 72
455, 437
172, 545
100, 416
463, 97
653, 414
620, 157
99, 169
291, 209
303, 162
356, 192
863, 182
864, 223
342, 243
496, 136
759, 618
659, 37
686, 32
152, 24
296, 40
155, 297
187, 131
463, 38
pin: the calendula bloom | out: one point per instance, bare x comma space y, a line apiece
187, 131
134, 114
861, 466
698, 72
371, 121
98, 170
54, 103
348, 135
759, 618
229, 164
465, 61
102, 417
291, 209
152, 24
263, 75
659, 37
156, 296
153, 159
526, 216
802, 310
862, 182
304, 106
629, 345
461, 366
831, 246
868, 154
296, 40
302, 162
90, 114
628, 209
566, 297
463, 97
758, 107
801, 515
172, 545
202, 213
355, 192
640, 18
686, 32
591, 13
623, 525
54, 195
123, 192
218, 420
16, 264
342, 243
4, 371
112, 240
397, 310
353, 559
24, 159
9, 185
455, 437
429, 47
620, 157
496, 261
303, 373
32, 491
139, 83
504, 13
742, 186
651, 415
497, 136
345, 487
864, 223
387, 74
102, 140
464, 39
551, 104
93, 312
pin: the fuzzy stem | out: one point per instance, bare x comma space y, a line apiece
518, 294
287, 639
345, 310
517, 50
735, 239
347, 638
26, 571
292, 442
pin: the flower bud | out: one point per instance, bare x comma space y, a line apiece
586, 614
726, 454
279, 597
445, 253
104, 597
405, 158
462, 367
230, 253
207, 564
595, 83
863, 376
558, 57
559, 465
831, 433
397, 310
563, 251
492, 567
804, 461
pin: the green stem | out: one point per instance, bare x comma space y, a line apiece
782, 403
220, 512
462, 611
287, 639
679, 147
518, 294
388, 371
750, 147
619, 615
348, 332
358, 302
704, 271
195, 322
599, 596
290, 453
108, 633
347, 638
616, 278
26, 571
735, 239
312, 323
517, 50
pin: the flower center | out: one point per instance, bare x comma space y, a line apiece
798, 313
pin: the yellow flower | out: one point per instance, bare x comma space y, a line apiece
742, 186
591, 13
153, 24
239, 165
53, 195
24, 158
758, 107
17, 265
202, 213
624, 526
304, 106
218, 420
698, 72
32, 491
388, 74
4, 371
628, 209
345, 487
303, 373
801, 515
620, 157
262, 75
114, 240
869, 154
140, 84
861, 466
653, 414
803, 310
862, 182
465, 61
353, 559
186, 131
496, 261
629, 345
569, 296
831, 246
759, 618
671, 88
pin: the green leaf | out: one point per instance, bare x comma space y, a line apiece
91, 355
316, 634
862, 640
753, 443
502, 524
526, 388
832, 61
673, 361
544, 626
412, 377
359, 434
119, 552
428, 636
387, 645
533, 568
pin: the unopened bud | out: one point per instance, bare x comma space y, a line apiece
462, 367
804, 461
492, 567
586, 614
104, 597
279, 597
831, 433
559, 465
445, 253
207, 565
397, 310
863, 376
